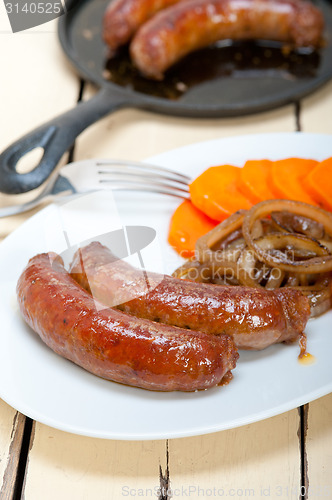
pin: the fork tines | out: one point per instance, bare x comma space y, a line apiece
124, 174
113, 166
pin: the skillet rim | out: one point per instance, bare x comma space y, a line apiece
138, 100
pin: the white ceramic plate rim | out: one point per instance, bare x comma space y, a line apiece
189, 159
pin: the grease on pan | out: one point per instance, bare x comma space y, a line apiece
264, 79
251, 59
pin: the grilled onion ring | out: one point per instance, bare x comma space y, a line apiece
205, 244
250, 248
293, 223
320, 264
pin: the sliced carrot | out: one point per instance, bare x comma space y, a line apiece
319, 183
216, 194
187, 225
254, 180
287, 178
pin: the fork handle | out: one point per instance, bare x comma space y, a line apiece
55, 137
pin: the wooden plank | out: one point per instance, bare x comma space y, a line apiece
38, 84
316, 111
318, 446
258, 460
66, 466
11, 432
135, 134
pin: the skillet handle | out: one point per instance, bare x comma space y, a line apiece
55, 137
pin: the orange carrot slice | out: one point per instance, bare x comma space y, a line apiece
187, 225
287, 178
319, 183
254, 180
216, 194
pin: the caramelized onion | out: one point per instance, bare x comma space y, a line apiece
246, 269
276, 243
327, 244
320, 264
319, 295
265, 208
320, 302
183, 271
205, 244
275, 279
267, 250
294, 223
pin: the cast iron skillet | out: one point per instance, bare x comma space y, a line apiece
222, 81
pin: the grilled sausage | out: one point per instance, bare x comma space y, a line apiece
178, 30
255, 318
122, 18
112, 344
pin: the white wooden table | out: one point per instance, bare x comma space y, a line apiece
276, 458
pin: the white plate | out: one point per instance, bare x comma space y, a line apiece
58, 393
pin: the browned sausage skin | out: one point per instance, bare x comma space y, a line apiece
193, 24
122, 18
255, 318
114, 345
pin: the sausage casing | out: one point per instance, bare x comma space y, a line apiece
122, 18
114, 345
254, 317
180, 29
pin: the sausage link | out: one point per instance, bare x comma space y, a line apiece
122, 18
114, 345
254, 317
178, 30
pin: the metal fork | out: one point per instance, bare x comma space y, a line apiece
118, 175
